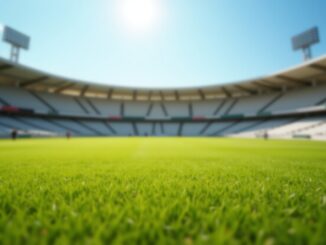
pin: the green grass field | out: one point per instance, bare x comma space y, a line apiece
162, 191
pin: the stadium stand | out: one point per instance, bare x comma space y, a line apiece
20, 98
289, 104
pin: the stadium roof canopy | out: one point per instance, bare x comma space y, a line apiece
312, 73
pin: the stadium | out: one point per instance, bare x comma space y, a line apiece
239, 162
288, 104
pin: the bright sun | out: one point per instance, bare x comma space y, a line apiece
139, 15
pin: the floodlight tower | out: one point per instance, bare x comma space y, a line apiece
17, 40
304, 41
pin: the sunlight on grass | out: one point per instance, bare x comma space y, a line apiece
171, 191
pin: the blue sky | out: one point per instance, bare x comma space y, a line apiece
195, 43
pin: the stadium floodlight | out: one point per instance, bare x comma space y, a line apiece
305, 40
17, 40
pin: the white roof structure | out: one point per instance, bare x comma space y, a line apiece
312, 73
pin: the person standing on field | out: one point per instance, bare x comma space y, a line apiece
14, 134
68, 135
266, 135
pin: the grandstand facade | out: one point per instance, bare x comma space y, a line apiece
287, 104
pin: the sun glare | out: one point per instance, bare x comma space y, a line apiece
139, 16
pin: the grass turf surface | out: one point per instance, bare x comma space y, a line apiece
151, 191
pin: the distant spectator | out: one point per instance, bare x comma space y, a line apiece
68, 135
266, 136
14, 134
